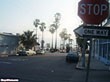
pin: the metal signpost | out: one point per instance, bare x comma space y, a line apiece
92, 12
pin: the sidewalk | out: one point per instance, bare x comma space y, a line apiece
94, 65
98, 72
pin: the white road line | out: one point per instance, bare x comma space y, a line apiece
18, 59
5, 62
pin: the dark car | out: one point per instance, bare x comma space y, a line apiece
22, 53
53, 50
72, 57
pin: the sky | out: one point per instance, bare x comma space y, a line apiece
17, 16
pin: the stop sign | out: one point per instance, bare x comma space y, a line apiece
93, 11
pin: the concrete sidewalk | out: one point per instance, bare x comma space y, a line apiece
98, 72
94, 65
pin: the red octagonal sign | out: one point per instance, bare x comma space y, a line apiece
93, 11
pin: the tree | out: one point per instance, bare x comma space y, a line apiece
69, 38
64, 36
36, 24
42, 28
56, 25
52, 31
80, 42
70, 42
28, 39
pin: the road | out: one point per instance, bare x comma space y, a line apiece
41, 68
50, 67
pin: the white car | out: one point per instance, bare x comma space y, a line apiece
30, 52
40, 52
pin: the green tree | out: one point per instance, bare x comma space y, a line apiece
56, 25
64, 36
52, 31
28, 39
36, 24
42, 27
80, 41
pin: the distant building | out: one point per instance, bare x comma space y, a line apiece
8, 44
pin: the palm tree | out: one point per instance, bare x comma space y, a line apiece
52, 30
70, 40
56, 25
28, 39
36, 24
70, 43
42, 28
64, 36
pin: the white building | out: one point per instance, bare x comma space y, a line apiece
8, 44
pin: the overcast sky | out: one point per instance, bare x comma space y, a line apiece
17, 16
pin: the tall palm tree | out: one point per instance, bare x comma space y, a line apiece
28, 39
64, 36
42, 28
69, 40
56, 25
52, 30
36, 24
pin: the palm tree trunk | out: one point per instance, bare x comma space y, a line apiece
42, 42
63, 44
52, 41
36, 35
56, 40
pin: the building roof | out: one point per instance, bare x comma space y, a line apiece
8, 34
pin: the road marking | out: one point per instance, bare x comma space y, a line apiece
18, 59
2, 62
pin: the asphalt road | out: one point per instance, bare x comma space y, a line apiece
41, 68
44, 68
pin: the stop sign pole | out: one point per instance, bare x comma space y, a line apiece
93, 11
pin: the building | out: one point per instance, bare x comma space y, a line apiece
8, 44
101, 50
101, 47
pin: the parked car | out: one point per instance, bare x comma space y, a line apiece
62, 51
72, 57
40, 52
53, 50
30, 52
21, 53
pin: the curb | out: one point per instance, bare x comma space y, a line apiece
3, 56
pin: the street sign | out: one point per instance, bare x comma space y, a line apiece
93, 11
93, 32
